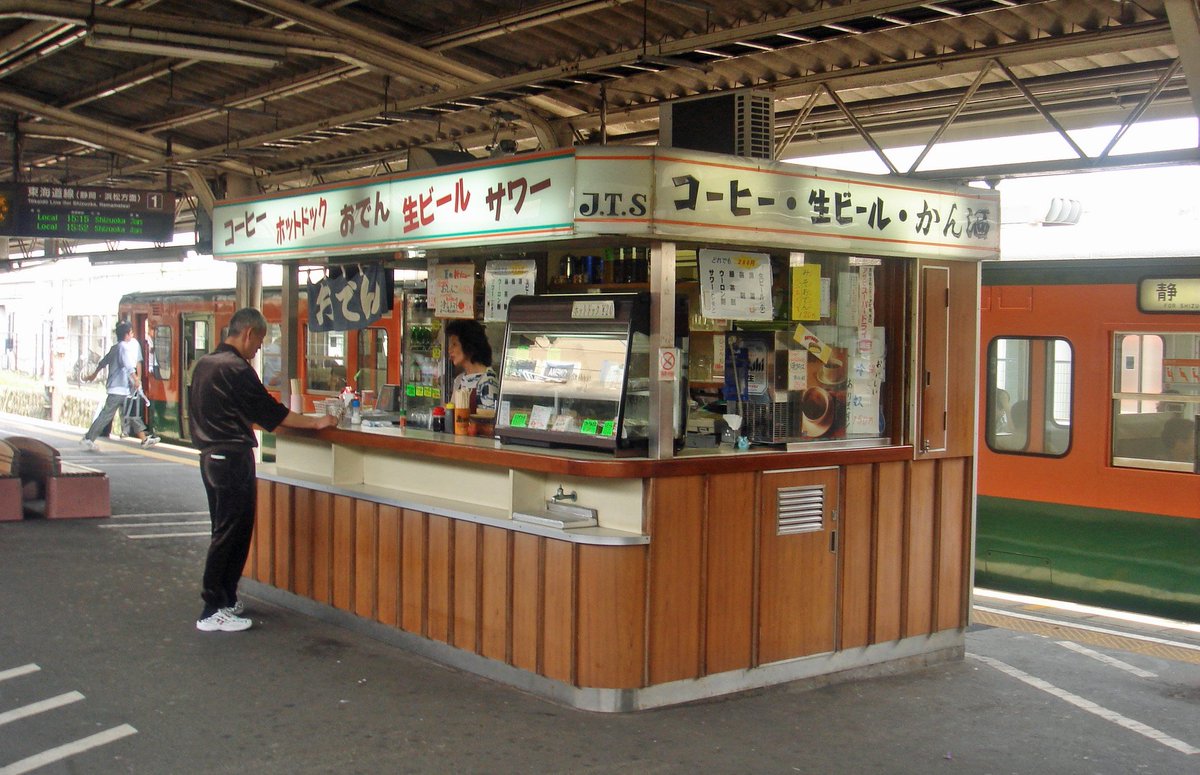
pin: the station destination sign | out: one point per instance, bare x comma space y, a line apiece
86, 212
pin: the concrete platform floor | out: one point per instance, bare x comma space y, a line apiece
103, 671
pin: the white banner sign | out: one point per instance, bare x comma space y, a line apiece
517, 199
667, 193
699, 195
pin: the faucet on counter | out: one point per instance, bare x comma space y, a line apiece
561, 496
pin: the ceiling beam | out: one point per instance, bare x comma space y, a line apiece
1184, 16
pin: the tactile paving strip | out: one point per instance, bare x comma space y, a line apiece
1090, 637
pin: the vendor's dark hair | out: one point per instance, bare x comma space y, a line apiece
246, 317
123, 328
473, 338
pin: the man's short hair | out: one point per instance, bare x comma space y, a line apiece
246, 318
123, 328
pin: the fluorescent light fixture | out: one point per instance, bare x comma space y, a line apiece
182, 46
139, 255
670, 61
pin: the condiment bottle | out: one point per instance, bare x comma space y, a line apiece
438, 421
402, 420
355, 412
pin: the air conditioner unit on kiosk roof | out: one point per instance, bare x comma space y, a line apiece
740, 123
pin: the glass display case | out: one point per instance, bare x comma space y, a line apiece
576, 371
423, 368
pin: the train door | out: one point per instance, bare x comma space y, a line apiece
198, 333
141, 333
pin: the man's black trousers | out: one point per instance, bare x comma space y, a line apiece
229, 480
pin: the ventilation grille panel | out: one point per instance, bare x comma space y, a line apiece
800, 509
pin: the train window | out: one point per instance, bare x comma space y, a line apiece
1029, 397
1155, 400
372, 359
160, 353
325, 361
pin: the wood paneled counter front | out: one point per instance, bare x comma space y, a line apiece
709, 573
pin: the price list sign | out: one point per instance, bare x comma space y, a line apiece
86, 212
735, 285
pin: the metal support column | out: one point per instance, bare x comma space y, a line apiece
662, 336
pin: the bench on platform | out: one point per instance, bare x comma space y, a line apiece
55, 489
11, 502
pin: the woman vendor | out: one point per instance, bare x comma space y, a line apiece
471, 354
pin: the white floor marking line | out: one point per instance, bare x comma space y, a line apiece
52, 755
161, 514
130, 525
34, 708
1106, 659
171, 535
1108, 613
16, 672
1089, 706
1089, 628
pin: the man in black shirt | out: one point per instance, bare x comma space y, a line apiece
226, 401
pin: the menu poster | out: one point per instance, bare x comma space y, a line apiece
502, 280
847, 298
797, 364
452, 290
735, 285
806, 292
866, 304
866, 377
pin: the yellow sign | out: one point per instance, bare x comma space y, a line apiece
811, 342
806, 292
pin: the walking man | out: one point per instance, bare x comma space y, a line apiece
227, 400
122, 361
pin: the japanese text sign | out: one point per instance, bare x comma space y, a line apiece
698, 194
504, 279
452, 290
735, 285
480, 203
86, 212
1169, 294
349, 301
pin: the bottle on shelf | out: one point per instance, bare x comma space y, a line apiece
618, 272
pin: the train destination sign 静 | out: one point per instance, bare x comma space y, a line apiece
1169, 294
86, 212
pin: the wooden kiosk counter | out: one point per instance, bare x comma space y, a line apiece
709, 570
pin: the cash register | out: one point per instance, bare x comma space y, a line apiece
387, 406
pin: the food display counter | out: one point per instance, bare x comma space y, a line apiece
617, 566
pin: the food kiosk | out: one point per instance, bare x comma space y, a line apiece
592, 550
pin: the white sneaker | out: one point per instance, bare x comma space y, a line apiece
150, 441
236, 609
87, 444
223, 621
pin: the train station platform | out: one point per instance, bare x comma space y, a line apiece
103, 671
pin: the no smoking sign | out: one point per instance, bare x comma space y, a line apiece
668, 364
